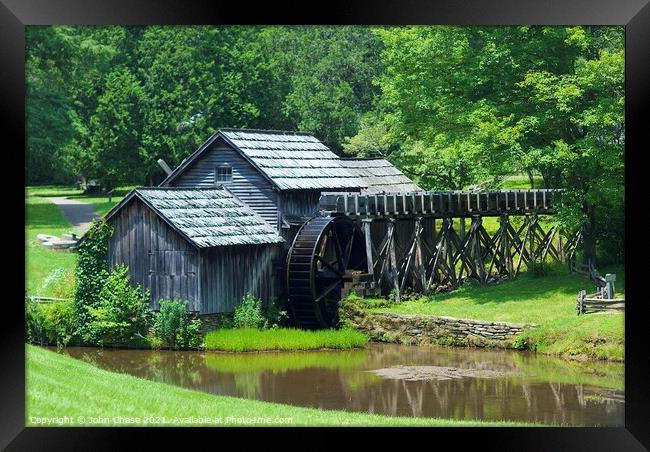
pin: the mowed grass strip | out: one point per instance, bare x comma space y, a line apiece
251, 339
59, 386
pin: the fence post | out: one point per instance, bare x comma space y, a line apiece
580, 304
609, 285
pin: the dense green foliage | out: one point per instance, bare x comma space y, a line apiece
174, 327
253, 313
451, 106
59, 387
462, 106
248, 313
92, 269
107, 102
252, 339
121, 316
50, 323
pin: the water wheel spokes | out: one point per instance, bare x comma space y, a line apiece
324, 253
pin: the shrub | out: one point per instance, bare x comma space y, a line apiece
174, 328
249, 313
524, 342
154, 342
92, 269
274, 315
121, 316
34, 323
50, 323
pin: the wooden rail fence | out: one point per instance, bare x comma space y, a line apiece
588, 303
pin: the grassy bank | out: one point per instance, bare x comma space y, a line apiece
59, 386
250, 339
548, 302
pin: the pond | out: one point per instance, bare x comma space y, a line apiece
395, 380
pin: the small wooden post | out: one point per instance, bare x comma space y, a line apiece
581, 299
366, 232
609, 286
392, 258
419, 264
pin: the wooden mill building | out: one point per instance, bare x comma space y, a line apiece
219, 225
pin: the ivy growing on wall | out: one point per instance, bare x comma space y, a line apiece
92, 269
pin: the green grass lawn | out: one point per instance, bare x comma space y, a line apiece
250, 339
49, 272
43, 265
59, 386
548, 302
521, 182
99, 201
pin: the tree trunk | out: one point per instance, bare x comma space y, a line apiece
531, 179
589, 242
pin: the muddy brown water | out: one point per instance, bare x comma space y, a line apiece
452, 383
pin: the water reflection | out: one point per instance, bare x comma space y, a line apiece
533, 388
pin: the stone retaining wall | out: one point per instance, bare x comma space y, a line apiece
210, 322
428, 329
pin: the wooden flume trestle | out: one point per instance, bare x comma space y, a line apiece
418, 242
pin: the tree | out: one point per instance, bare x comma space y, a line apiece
115, 129
328, 73
462, 105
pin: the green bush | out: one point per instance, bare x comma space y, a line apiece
274, 316
121, 316
50, 323
248, 314
174, 327
523, 342
34, 323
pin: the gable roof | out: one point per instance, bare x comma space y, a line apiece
290, 160
379, 175
206, 217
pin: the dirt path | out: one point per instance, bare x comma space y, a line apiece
78, 213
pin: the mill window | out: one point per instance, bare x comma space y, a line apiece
223, 174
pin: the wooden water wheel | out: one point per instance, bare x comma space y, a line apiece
326, 253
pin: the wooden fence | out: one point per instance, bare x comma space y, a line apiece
37, 299
588, 303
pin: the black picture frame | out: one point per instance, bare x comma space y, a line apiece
634, 14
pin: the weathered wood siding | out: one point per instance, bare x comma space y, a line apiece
158, 257
227, 273
299, 202
248, 184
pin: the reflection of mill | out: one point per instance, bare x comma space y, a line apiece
482, 399
538, 389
